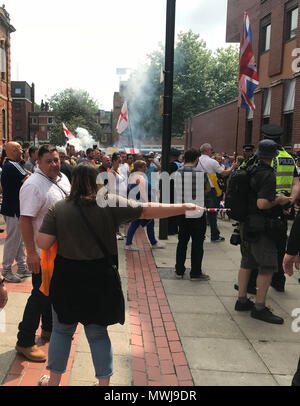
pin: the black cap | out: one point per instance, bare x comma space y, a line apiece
248, 147
271, 132
266, 149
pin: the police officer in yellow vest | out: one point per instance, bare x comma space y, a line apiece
287, 181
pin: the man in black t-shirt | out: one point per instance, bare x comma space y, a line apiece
12, 178
190, 227
258, 246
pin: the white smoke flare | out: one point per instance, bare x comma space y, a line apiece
83, 140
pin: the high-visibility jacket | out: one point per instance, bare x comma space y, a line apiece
284, 168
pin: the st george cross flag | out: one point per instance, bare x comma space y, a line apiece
123, 119
68, 134
248, 77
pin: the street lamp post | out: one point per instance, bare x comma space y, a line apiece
168, 101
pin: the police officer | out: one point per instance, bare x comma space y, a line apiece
287, 182
249, 157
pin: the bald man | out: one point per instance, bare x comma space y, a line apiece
12, 178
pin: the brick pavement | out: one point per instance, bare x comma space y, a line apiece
156, 351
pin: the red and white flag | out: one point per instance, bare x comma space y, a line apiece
123, 119
68, 134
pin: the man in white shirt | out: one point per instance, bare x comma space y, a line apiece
212, 167
44, 188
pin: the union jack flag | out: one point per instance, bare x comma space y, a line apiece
248, 77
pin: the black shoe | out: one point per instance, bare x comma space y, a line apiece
278, 286
178, 275
220, 239
266, 315
250, 289
243, 307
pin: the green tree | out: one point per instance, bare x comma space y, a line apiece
76, 109
202, 80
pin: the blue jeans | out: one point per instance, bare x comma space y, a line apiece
144, 223
60, 345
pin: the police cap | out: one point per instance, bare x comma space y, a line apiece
248, 147
271, 132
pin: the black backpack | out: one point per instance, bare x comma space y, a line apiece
237, 193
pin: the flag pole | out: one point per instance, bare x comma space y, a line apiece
237, 132
129, 123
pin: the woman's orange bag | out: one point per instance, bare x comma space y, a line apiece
47, 267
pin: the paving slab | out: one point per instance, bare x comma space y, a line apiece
187, 287
196, 304
207, 325
219, 378
219, 354
279, 357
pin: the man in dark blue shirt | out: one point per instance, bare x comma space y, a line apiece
12, 178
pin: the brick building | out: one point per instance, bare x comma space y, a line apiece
40, 124
22, 104
5, 88
276, 46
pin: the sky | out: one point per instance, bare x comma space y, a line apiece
80, 44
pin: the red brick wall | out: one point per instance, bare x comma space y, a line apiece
5, 88
277, 104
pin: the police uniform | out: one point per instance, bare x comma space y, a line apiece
285, 171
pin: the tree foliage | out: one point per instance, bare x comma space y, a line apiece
76, 109
202, 80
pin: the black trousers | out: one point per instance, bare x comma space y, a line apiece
296, 379
38, 306
195, 229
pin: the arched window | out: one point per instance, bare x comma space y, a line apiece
3, 126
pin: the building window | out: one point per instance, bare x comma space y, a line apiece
248, 137
18, 125
18, 107
18, 91
291, 19
3, 62
3, 126
265, 34
287, 129
34, 120
50, 120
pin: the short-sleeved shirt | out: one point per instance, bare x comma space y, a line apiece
12, 179
38, 194
210, 166
151, 168
30, 165
263, 183
75, 241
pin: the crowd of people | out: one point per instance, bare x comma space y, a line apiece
52, 193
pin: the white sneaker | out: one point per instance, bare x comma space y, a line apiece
131, 248
10, 277
119, 237
158, 245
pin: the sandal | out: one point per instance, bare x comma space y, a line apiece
44, 380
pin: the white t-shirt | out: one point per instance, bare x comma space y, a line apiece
210, 166
38, 194
124, 169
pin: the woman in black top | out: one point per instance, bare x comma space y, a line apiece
85, 285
